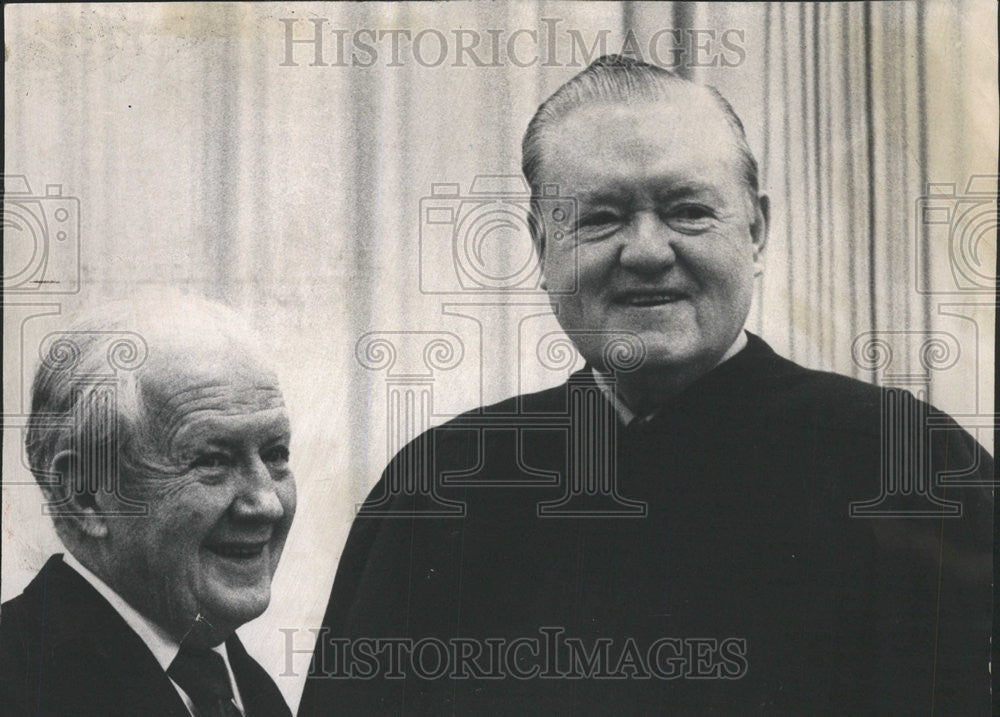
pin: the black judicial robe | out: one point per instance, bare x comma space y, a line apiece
747, 569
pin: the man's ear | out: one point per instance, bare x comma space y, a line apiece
73, 502
758, 230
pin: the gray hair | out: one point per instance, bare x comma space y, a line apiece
86, 391
617, 78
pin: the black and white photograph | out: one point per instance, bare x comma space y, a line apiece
482, 358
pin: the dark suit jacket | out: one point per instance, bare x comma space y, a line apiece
65, 651
748, 477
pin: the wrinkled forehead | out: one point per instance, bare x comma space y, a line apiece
183, 378
688, 131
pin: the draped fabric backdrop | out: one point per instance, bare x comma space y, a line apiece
203, 159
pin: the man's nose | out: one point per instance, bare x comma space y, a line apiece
258, 494
648, 245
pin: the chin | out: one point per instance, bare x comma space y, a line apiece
234, 608
665, 352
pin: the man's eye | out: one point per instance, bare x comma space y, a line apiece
211, 461
277, 454
690, 217
599, 218
691, 211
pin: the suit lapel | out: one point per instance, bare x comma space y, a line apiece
90, 657
259, 693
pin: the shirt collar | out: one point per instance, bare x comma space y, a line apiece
163, 647
625, 414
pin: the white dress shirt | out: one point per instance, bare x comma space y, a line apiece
163, 647
624, 412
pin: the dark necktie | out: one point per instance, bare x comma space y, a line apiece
202, 674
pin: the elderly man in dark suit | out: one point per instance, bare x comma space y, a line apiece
171, 491
697, 552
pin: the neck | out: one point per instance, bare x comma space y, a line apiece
646, 391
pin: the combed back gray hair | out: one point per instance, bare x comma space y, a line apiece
86, 393
619, 79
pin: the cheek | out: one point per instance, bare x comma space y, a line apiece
288, 497
726, 265
158, 552
557, 279
571, 266
189, 515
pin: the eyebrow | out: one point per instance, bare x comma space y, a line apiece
662, 189
686, 189
212, 432
613, 194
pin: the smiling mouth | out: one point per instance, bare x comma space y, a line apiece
237, 551
645, 299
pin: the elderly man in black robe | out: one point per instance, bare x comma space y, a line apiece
707, 546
